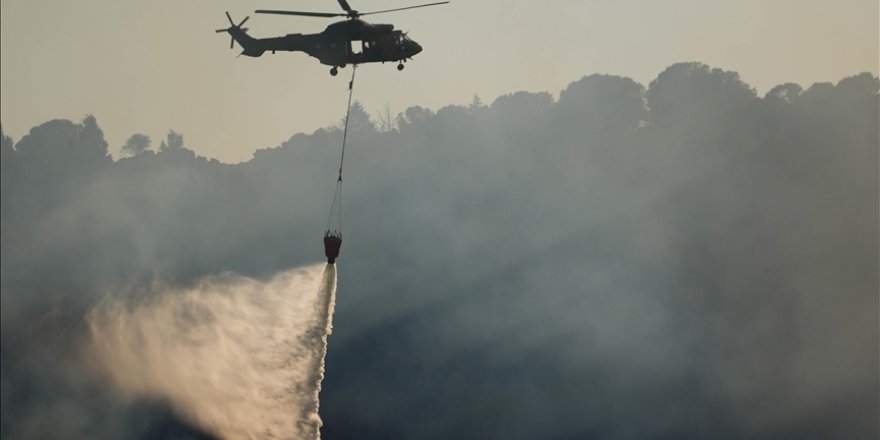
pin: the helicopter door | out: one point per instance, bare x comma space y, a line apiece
356, 47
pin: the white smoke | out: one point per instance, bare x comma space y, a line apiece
241, 358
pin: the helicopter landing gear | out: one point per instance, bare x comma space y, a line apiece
334, 71
400, 66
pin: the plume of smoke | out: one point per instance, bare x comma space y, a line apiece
241, 358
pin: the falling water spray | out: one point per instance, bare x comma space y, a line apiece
241, 358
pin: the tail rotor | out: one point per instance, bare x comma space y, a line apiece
232, 28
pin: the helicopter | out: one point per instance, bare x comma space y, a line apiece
352, 41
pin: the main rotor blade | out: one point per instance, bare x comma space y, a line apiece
231, 42
245, 19
230, 18
344, 5
221, 30
304, 14
401, 9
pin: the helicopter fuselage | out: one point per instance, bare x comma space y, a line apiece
341, 43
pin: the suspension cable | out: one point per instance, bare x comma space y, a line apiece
337, 194
347, 113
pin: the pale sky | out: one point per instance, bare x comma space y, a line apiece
150, 66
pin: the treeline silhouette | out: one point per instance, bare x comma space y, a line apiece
686, 260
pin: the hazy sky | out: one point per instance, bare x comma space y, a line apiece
149, 67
